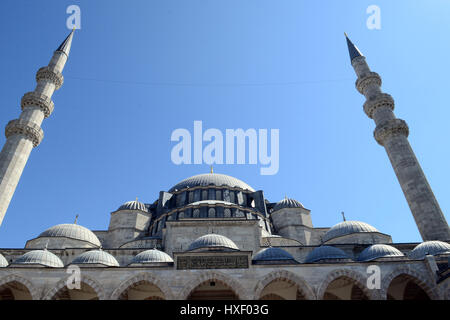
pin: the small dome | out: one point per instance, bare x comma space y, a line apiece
40, 257
347, 227
287, 203
215, 179
273, 254
3, 261
152, 256
96, 257
133, 205
376, 251
429, 248
213, 241
325, 253
72, 231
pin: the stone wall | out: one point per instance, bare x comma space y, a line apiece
312, 279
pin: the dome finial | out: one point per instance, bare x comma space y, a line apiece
212, 169
136, 199
76, 218
343, 215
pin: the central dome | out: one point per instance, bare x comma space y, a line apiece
208, 179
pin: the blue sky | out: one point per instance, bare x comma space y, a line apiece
140, 69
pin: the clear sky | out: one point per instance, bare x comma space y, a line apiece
138, 70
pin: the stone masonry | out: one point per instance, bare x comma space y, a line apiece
25, 133
392, 133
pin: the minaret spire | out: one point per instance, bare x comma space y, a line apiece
24, 133
392, 134
66, 44
352, 49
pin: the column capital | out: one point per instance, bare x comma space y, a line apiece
26, 128
46, 73
40, 100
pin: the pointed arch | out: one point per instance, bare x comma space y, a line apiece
353, 276
232, 283
144, 276
23, 281
288, 276
84, 279
423, 282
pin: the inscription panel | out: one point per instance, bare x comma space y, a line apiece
212, 262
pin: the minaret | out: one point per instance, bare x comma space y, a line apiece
25, 133
392, 134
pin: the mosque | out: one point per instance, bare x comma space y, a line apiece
213, 236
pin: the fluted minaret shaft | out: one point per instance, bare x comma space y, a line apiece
392, 133
24, 133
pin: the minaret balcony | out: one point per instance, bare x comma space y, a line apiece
369, 79
390, 128
46, 73
382, 100
32, 98
26, 128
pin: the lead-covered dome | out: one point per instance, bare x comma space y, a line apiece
71, 231
96, 257
347, 227
213, 242
152, 256
3, 261
272, 254
214, 179
133, 205
377, 251
39, 257
287, 203
325, 253
429, 248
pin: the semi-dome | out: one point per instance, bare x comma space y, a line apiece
152, 256
96, 257
133, 205
3, 261
287, 203
377, 251
347, 227
213, 241
325, 253
429, 248
215, 179
273, 254
39, 257
72, 231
